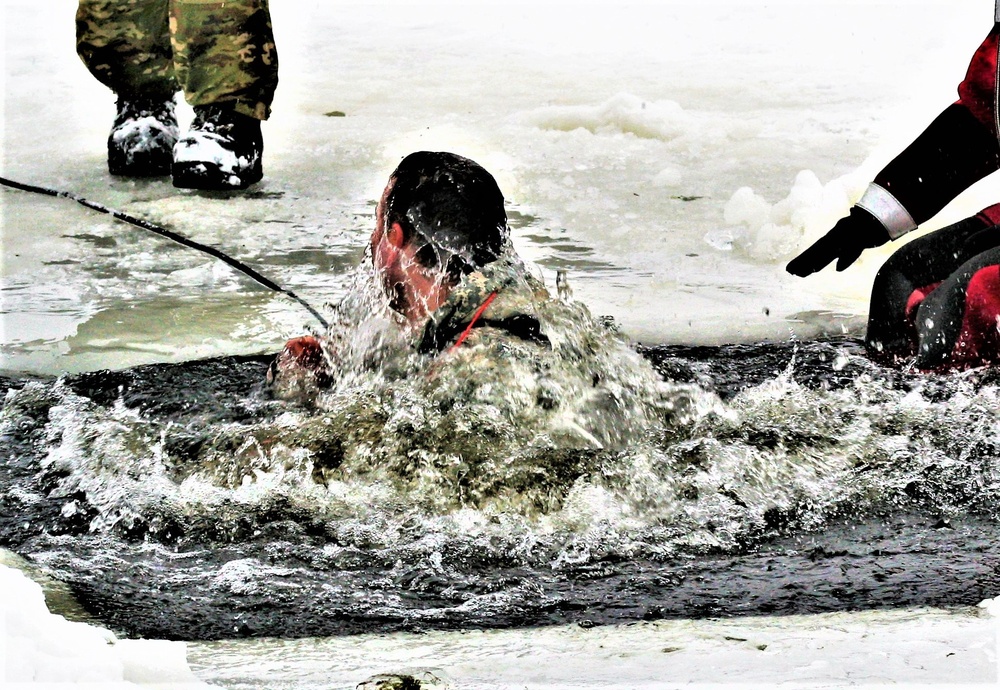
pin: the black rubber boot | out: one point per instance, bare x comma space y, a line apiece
221, 151
142, 138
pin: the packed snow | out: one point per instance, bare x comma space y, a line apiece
42, 649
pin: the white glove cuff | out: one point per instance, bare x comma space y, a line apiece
887, 209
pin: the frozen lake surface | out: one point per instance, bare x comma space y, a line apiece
622, 138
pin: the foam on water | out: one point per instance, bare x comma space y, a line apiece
402, 501
696, 473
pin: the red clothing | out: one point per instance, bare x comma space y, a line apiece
978, 92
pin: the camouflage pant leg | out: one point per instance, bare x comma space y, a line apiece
126, 45
216, 50
224, 52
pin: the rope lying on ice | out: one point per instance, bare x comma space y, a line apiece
170, 235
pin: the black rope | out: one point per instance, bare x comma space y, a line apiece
170, 235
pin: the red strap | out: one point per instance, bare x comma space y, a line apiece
475, 317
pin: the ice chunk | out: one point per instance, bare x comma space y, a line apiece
773, 232
991, 607
669, 176
623, 113
43, 647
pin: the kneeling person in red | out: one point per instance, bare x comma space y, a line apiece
936, 301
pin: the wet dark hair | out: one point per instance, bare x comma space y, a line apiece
454, 204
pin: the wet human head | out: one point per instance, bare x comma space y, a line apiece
440, 217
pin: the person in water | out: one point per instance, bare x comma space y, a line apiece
937, 298
456, 313
439, 224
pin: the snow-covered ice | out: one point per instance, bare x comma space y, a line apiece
41, 649
671, 157
927, 647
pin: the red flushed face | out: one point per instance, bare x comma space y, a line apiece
413, 289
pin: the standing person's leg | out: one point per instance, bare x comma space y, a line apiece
914, 272
126, 45
226, 62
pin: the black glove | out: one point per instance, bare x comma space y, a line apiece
845, 242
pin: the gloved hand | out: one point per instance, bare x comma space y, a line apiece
845, 242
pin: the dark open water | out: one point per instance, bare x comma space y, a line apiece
811, 480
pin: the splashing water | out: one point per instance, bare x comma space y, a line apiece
500, 423
503, 483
